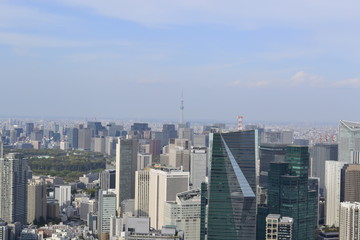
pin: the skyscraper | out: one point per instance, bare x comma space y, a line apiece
332, 191
142, 193
13, 188
232, 186
350, 177
36, 201
126, 165
349, 140
349, 221
198, 166
290, 194
320, 153
164, 184
106, 209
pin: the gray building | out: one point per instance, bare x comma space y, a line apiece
198, 166
348, 140
13, 188
320, 153
106, 209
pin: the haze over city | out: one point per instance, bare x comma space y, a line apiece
269, 61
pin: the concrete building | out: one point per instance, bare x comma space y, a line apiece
98, 144
144, 160
198, 166
142, 179
63, 195
108, 179
350, 178
278, 228
184, 213
106, 210
349, 221
36, 201
348, 140
163, 187
126, 165
84, 139
13, 188
4, 231
332, 191
320, 153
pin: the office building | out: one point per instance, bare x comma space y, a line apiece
36, 201
349, 221
278, 228
198, 166
126, 165
164, 184
29, 128
184, 213
290, 193
320, 153
63, 195
348, 140
332, 191
155, 147
232, 186
144, 160
350, 178
269, 153
142, 179
95, 128
169, 132
106, 210
13, 188
84, 139
108, 179
282, 137
4, 231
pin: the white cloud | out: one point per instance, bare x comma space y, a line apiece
305, 79
352, 83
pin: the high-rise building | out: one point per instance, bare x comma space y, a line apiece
320, 153
4, 231
144, 160
332, 191
37, 201
198, 166
349, 221
13, 188
126, 165
278, 228
155, 147
94, 127
169, 132
106, 209
63, 195
348, 140
290, 194
84, 139
29, 128
184, 213
232, 186
142, 193
269, 153
164, 184
108, 179
98, 144
350, 177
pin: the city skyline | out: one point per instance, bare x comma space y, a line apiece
275, 61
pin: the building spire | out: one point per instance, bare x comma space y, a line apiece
182, 107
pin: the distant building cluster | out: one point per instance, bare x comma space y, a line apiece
183, 181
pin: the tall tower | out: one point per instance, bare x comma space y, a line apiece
13, 188
232, 186
182, 108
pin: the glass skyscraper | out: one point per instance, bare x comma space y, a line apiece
232, 186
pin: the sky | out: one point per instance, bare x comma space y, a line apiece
266, 60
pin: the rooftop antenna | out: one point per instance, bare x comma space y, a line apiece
182, 107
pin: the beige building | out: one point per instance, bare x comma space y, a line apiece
350, 177
164, 184
349, 221
142, 193
36, 201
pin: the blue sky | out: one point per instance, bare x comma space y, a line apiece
267, 60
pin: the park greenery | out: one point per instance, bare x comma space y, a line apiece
69, 165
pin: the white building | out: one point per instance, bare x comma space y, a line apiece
198, 166
349, 140
164, 185
332, 191
142, 193
63, 195
185, 213
349, 221
144, 160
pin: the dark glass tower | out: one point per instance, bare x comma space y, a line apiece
232, 186
290, 195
